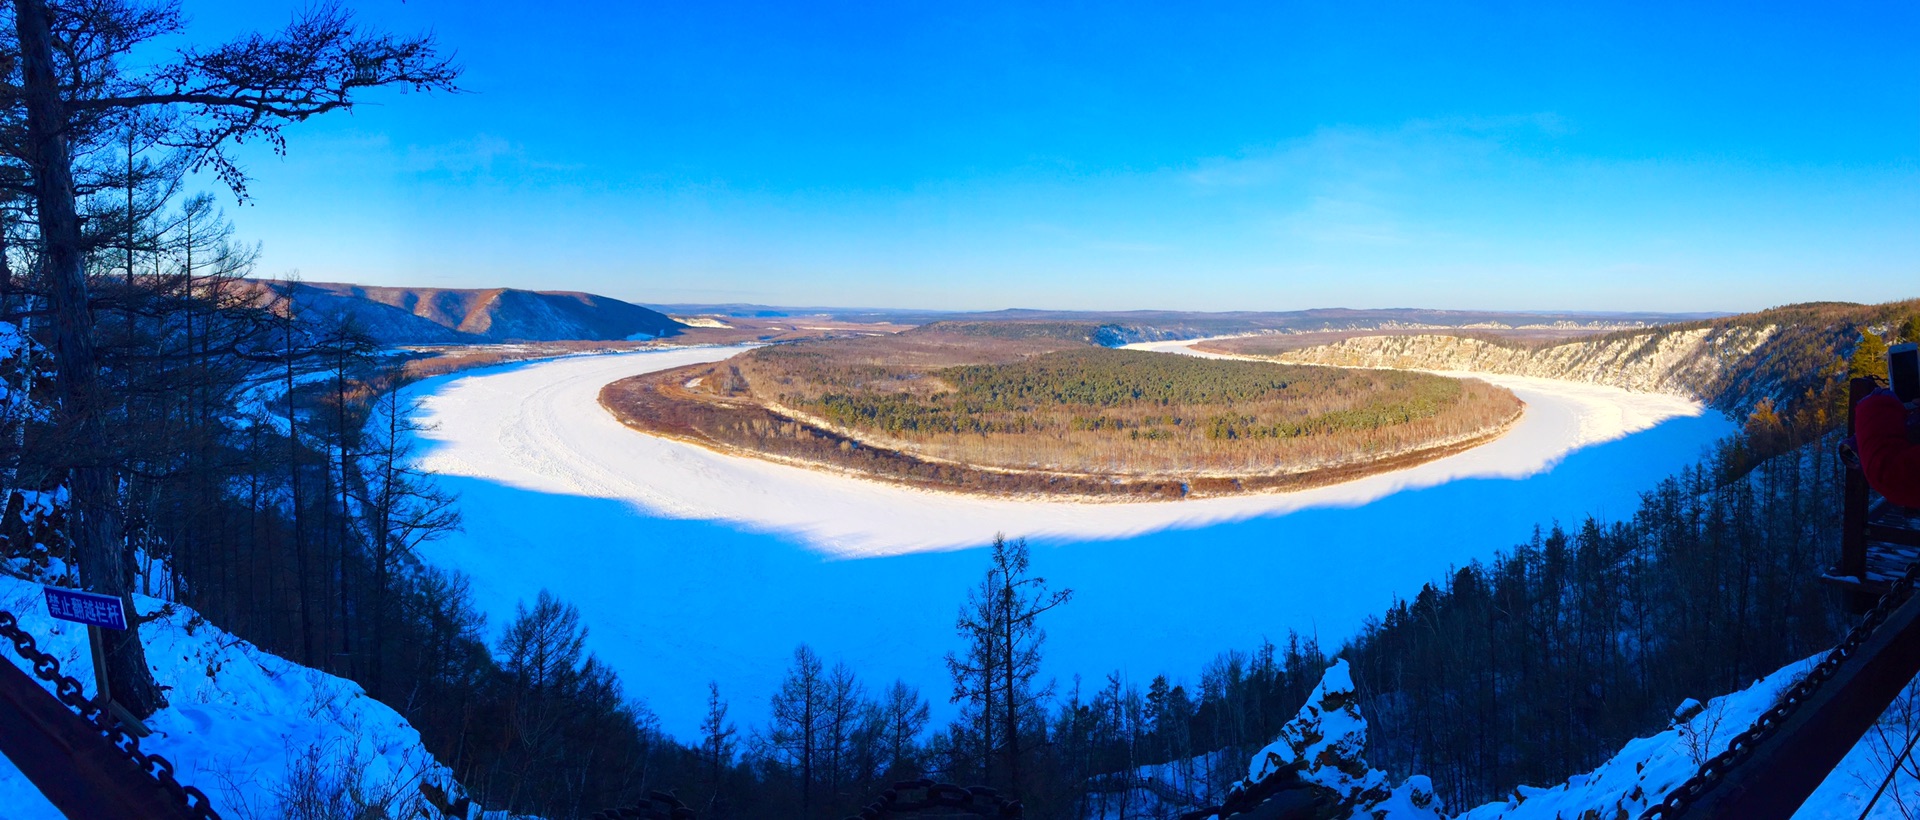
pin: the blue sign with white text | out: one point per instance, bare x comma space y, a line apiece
90, 608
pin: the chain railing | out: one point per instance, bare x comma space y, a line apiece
68, 691
1742, 746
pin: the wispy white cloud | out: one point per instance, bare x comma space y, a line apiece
1369, 186
1348, 221
476, 154
481, 155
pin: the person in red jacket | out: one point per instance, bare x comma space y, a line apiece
1890, 460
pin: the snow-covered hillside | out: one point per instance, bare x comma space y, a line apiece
1163, 789
257, 733
401, 316
1323, 746
1646, 769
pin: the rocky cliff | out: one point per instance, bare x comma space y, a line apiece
1730, 363
1685, 362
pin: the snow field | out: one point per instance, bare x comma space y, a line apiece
540, 427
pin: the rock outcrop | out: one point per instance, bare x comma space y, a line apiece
1316, 769
1681, 362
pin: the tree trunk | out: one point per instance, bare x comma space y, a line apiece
1012, 716
97, 540
340, 421
304, 568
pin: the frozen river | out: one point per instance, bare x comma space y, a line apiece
690, 566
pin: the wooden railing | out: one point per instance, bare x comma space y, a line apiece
71, 761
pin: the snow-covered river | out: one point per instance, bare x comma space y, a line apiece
690, 566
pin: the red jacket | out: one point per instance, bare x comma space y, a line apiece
1891, 462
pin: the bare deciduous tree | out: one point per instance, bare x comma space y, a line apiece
798, 714
77, 79
1001, 624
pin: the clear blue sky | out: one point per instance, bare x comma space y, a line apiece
1262, 156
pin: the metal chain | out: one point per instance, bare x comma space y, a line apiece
1742, 746
68, 690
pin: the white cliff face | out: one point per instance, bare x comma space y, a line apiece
1678, 363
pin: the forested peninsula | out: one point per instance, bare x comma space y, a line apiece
1041, 408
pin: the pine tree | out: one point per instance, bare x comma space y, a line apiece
1869, 357
903, 717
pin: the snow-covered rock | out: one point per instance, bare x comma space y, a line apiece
1325, 744
252, 730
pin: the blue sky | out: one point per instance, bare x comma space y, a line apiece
1054, 155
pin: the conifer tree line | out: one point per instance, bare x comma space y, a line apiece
833, 741
1544, 661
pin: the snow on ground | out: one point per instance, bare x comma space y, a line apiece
1647, 768
243, 725
265, 397
1329, 734
540, 427
1164, 789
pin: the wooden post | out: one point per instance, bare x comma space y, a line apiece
102, 691
1853, 506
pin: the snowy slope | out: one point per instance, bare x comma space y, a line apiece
1329, 734
1646, 769
247, 727
401, 316
1163, 789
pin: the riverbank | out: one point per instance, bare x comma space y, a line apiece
540, 426
688, 566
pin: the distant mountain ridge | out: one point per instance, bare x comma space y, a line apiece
1148, 325
402, 315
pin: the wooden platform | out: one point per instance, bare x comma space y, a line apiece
1892, 543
